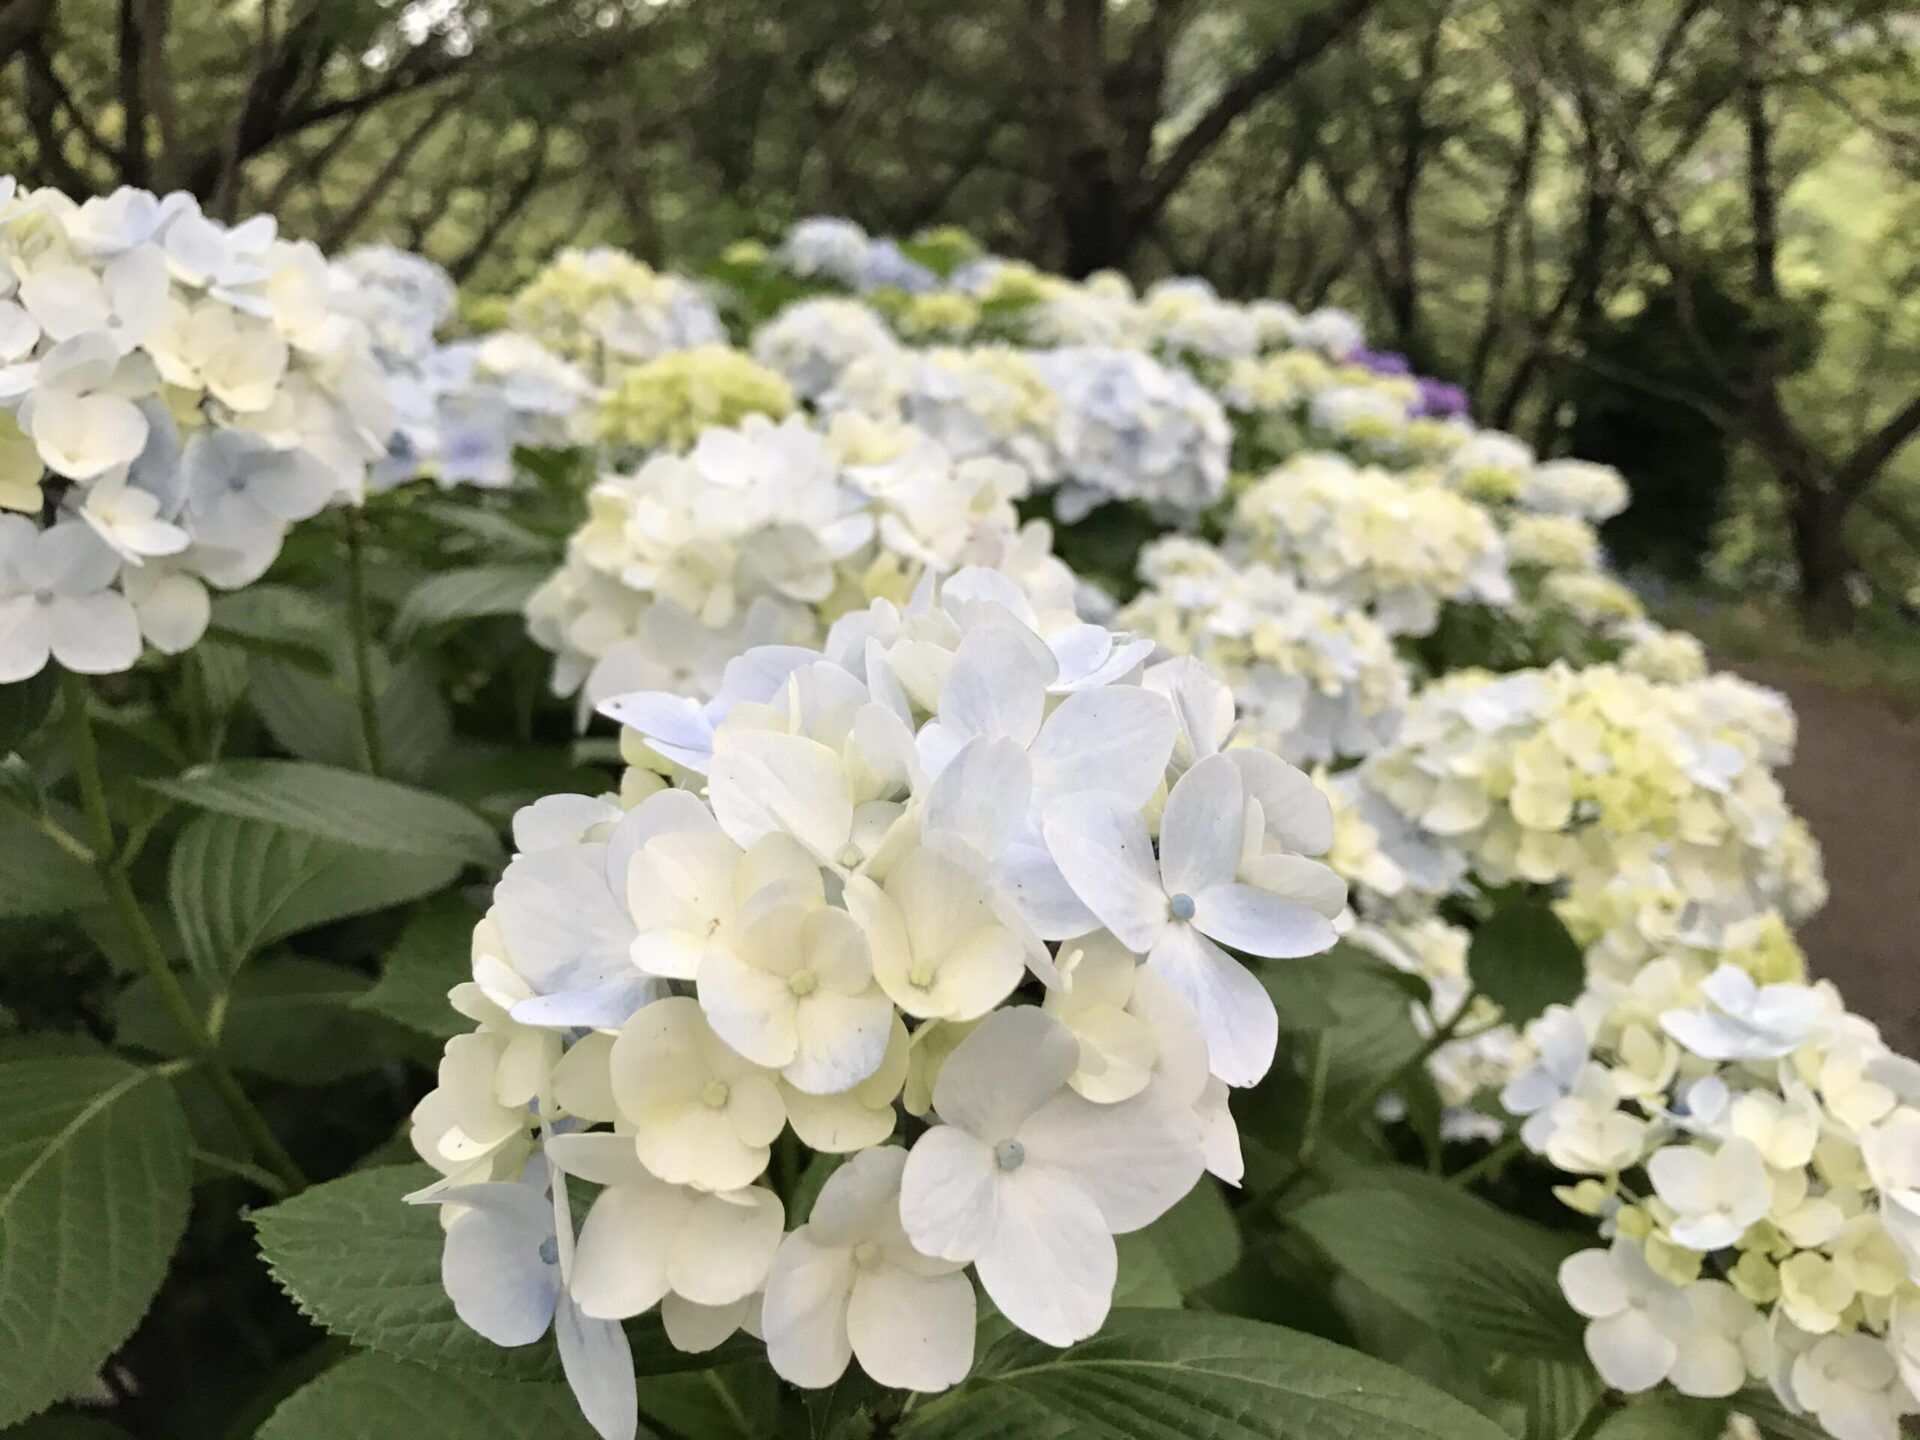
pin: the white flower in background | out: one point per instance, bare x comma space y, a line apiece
1369, 538
1130, 428
1184, 317
407, 296
1575, 487
1029, 1181
814, 343
1333, 332
758, 536
1314, 681
849, 1284
189, 391
986, 401
825, 247
601, 310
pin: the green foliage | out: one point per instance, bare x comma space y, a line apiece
1450, 1260
1523, 959
1155, 1375
353, 809
288, 1019
456, 595
236, 885
432, 955
364, 1265
371, 1396
93, 1199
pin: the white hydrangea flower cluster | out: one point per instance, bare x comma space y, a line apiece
1575, 776
1752, 1151
1131, 428
603, 310
956, 878
828, 248
174, 395
814, 342
1185, 319
1368, 538
990, 400
459, 409
405, 299
762, 534
1314, 681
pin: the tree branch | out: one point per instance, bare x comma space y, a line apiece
1310, 38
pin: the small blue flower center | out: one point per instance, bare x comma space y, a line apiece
1181, 905
550, 1250
1011, 1154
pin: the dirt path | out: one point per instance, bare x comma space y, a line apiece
1856, 778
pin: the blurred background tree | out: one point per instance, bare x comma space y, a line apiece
1670, 234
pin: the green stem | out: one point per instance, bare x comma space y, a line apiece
1358, 1109
1316, 1094
1598, 1415
362, 656
153, 959
1494, 1159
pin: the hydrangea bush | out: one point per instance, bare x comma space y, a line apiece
805, 754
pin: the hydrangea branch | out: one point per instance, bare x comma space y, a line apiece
108, 866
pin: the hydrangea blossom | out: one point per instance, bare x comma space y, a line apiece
1312, 680
943, 823
991, 400
1757, 1192
1365, 537
1133, 429
814, 342
603, 311
763, 533
473, 402
1576, 776
666, 403
174, 394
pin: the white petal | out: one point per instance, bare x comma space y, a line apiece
842, 1040
492, 1267
1593, 1285
949, 1194
1117, 740
753, 1010
804, 1316
1203, 827
26, 638
1050, 1265
981, 797
912, 1332
1135, 1159
723, 1248
620, 1260
95, 634
1102, 848
1629, 1352
766, 782
1260, 923
696, 1329
1298, 815
598, 1364
1013, 1063
1234, 1010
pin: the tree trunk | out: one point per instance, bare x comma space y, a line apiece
1818, 524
